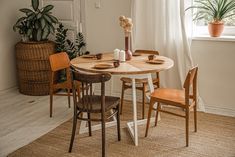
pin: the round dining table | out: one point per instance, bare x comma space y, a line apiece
136, 68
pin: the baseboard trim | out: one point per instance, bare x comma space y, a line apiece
220, 111
8, 90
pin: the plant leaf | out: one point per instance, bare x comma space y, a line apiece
39, 34
43, 23
31, 16
29, 32
53, 19
45, 33
19, 21
47, 8
47, 18
39, 15
35, 4
26, 11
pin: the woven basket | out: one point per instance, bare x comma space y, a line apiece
33, 66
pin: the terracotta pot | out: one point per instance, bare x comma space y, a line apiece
215, 29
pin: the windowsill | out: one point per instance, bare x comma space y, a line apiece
208, 38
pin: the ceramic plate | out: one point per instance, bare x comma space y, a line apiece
88, 56
155, 61
136, 54
103, 66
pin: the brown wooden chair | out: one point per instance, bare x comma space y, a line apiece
142, 83
90, 104
185, 99
60, 61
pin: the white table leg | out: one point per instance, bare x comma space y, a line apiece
134, 112
133, 125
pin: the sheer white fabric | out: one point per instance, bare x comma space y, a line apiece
160, 25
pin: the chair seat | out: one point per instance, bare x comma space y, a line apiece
110, 102
169, 96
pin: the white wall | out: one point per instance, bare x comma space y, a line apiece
9, 13
216, 60
103, 33
102, 25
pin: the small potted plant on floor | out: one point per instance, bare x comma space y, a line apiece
33, 51
214, 12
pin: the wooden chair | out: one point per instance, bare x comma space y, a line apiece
90, 104
60, 61
185, 99
142, 83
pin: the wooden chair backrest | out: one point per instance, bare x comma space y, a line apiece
59, 61
151, 52
87, 80
191, 83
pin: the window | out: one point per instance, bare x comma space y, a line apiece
201, 29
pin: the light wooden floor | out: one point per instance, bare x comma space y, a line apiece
25, 118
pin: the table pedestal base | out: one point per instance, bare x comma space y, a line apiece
139, 122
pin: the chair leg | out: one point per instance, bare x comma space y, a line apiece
195, 118
89, 123
122, 97
118, 123
51, 102
68, 93
187, 127
157, 111
149, 116
103, 136
73, 133
143, 101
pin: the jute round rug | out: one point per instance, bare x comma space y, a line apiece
215, 138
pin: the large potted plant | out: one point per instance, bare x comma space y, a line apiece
72, 48
214, 12
33, 51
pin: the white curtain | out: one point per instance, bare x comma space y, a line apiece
160, 25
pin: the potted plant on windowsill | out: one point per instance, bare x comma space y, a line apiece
214, 12
33, 51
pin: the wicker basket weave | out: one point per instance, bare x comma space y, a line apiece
33, 67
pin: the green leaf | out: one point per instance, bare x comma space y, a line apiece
35, 4
39, 15
45, 33
43, 23
48, 19
53, 19
37, 24
26, 11
52, 28
39, 34
29, 32
29, 18
47, 8
20, 20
